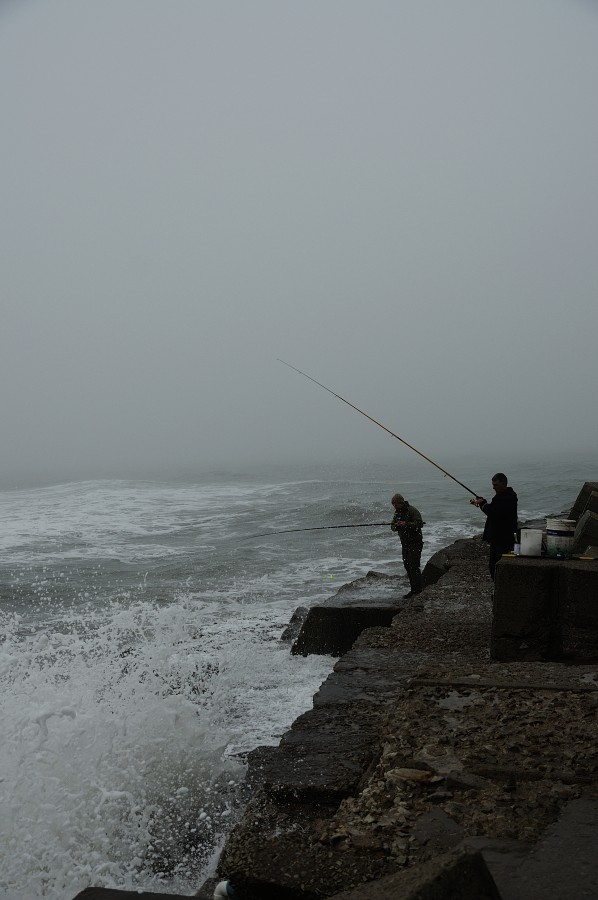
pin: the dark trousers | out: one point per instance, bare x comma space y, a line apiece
496, 551
412, 553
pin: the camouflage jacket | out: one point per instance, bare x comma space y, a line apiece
411, 516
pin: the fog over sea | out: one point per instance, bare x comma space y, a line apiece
140, 652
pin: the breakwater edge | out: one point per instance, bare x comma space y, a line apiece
140, 652
422, 754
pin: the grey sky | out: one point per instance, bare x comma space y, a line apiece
399, 198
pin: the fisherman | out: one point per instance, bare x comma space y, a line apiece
407, 521
501, 522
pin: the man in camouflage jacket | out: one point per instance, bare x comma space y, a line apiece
407, 522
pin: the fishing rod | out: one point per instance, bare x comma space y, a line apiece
315, 528
375, 421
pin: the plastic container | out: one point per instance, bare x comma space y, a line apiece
559, 537
531, 542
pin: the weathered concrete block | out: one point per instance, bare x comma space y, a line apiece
463, 875
586, 532
592, 504
291, 632
437, 566
275, 852
578, 608
318, 756
545, 609
564, 863
524, 614
370, 674
332, 627
330, 631
582, 499
459, 553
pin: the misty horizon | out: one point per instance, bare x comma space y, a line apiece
401, 200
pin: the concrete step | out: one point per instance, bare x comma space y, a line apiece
563, 865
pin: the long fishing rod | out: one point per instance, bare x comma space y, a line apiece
375, 421
315, 528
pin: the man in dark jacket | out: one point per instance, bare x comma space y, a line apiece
501, 521
407, 522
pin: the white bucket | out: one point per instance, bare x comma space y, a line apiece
559, 536
531, 542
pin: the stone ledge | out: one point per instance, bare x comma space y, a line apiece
314, 829
462, 875
332, 627
545, 609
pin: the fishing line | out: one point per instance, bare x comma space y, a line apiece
380, 425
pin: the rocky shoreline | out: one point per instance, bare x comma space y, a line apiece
425, 770
419, 745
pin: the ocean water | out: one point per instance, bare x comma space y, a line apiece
140, 652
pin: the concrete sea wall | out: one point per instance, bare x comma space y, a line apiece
426, 768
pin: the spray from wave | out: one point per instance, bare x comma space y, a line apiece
123, 745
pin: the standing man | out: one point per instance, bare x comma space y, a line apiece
407, 521
501, 522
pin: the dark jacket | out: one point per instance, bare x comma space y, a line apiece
501, 522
